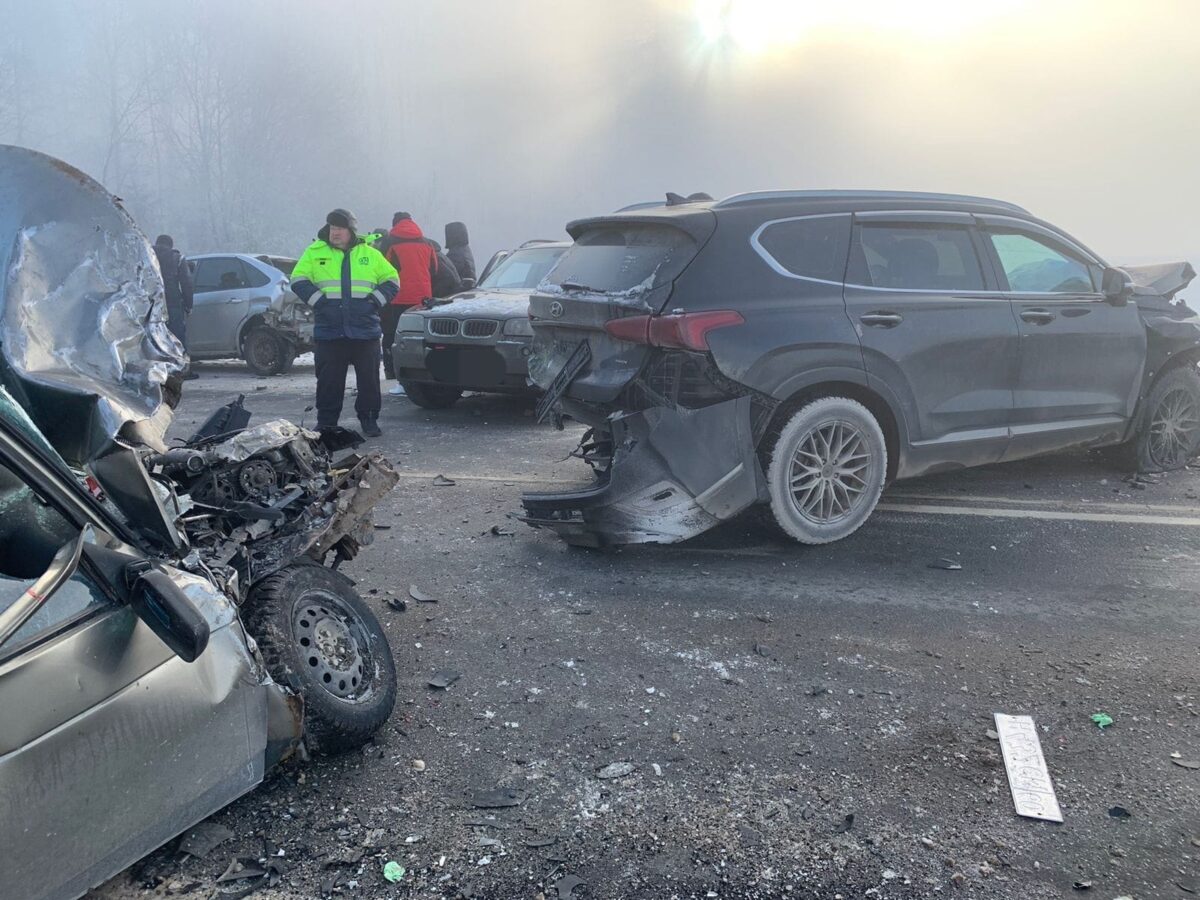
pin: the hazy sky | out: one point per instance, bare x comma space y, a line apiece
518, 116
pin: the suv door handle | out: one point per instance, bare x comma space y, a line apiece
1038, 316
235, 300
881, 319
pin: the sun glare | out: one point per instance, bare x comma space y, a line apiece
757, 26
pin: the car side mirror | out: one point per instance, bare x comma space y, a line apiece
167, 610
1117, 286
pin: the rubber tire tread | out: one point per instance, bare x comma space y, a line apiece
331, 725
282, 363
778, 470
431, 396
1184, 376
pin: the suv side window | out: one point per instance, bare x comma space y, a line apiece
812, 247
915, 257
219, 273
1033, 265
31, 532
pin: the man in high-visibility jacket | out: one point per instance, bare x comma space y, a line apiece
347, 282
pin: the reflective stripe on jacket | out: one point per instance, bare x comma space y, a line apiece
346, 289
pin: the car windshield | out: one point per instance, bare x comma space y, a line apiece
523, 269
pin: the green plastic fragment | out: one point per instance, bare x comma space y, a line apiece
1103, 720
393, 871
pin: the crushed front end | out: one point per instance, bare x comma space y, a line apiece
270, 495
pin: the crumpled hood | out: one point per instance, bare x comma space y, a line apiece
490, 304
1161, 279
84, 345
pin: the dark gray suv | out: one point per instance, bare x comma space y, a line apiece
802, 349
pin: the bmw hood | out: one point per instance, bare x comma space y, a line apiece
485, 304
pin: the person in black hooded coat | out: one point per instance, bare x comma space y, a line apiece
458, 248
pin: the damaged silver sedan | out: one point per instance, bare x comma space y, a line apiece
169, 628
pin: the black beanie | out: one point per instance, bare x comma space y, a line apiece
164, 240
342, 218
399, 217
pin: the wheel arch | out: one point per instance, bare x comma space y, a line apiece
876, 404
1189, 356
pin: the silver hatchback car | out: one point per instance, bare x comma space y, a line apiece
245, 308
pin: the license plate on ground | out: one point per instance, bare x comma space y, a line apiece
1028, 778
579, 358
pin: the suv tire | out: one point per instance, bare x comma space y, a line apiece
319, 637
827, 470
431, 396
1169, 434
267, 352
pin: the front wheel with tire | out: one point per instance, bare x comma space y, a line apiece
1169, 434
431, 396
827, 470
267, 352
320, 638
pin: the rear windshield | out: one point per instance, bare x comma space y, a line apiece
523, 269
618, 258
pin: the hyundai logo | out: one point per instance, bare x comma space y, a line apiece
556, 309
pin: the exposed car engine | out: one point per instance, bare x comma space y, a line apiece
254, 502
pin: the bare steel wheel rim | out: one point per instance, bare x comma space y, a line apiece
831, 471
332, 644
265, 351
1173, 429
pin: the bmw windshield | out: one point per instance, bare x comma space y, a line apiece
523, 269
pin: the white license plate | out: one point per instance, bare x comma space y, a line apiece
1028, 778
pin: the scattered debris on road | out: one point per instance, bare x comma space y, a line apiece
443, 481
443, 678
1102, 720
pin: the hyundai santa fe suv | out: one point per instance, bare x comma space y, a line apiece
803, 349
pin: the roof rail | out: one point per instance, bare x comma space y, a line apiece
762, 196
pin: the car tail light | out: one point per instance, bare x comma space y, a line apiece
684, 331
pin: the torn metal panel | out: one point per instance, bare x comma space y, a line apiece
255, 440
675, 473
1161, 279
83, 327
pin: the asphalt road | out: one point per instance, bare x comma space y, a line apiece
762, 692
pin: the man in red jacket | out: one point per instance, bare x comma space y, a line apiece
406, 248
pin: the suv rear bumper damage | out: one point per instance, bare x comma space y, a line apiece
674, 474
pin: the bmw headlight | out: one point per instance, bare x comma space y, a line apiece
521, 326
411, 322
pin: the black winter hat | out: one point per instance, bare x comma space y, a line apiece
164, 240
399, 217
342, 218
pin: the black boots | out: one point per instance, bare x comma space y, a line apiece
370, 428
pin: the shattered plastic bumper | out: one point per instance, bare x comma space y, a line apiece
675, 473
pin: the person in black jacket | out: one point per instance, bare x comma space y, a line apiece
177, 286
458, 248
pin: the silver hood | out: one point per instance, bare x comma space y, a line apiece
83, 337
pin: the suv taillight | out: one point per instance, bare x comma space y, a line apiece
685, 331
